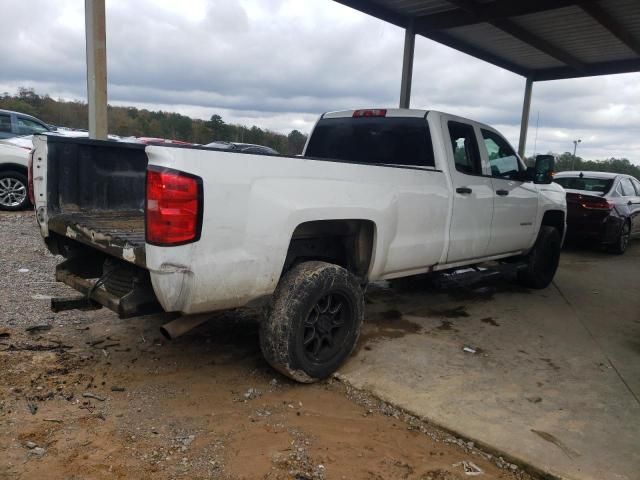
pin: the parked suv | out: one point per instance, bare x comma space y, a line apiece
13, 124
14, 159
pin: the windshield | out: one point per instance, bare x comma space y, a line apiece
596, 185
375, 140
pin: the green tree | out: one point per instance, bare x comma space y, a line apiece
130, 121
296, 141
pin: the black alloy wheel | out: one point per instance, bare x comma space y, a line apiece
327, 327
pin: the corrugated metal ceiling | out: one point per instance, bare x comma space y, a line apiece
541, 39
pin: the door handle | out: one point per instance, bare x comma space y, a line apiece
464, 190
502, 193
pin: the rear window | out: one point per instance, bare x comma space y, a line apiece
376, 140
597, 185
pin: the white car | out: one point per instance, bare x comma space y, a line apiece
379, 194
14, 159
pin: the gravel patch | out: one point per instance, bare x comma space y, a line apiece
27, 275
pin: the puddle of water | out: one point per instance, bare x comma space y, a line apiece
385, 325
490, 321
446, 325
455, 312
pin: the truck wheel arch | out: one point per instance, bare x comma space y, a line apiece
555, 219
348, 243
13, 167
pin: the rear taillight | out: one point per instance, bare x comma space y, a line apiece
596, 204
174, 207
32, 197
376, 112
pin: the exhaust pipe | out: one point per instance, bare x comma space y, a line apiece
178, 327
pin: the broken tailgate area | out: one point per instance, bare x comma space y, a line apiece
95, 218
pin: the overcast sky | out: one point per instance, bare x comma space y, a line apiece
279, 63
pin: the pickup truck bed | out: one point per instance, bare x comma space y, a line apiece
95, 194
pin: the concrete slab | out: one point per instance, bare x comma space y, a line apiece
556, 377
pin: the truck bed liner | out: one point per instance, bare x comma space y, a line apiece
118, 233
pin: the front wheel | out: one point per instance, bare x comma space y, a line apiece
13, 191
314, 321
543, 260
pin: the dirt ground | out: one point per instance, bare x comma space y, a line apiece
92, 397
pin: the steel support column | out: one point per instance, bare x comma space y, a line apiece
95, 32
524, 123
407, 65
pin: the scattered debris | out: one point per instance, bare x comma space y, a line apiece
35, 347
115, 388
33, 408
469, 349
252, 393
470, 468
30, 445
39, 451
53, 420
39, 296
43, 327
94, 396
23, 270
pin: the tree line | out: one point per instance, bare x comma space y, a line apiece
130, 121
567, 162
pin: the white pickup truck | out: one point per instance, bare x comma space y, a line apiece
378, 194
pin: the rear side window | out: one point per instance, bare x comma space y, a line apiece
29, 127
374, 140
5, 123
627, 188
465, 148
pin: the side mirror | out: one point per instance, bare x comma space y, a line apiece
544, 169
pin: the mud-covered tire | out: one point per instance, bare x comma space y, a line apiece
543, 260
14, 191
622, 241
314, 321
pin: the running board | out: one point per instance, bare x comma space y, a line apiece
473, 275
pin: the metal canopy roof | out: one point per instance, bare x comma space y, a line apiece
539, 39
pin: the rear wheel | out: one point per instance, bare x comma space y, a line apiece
314, 322
543, 260
13, 191
622, 242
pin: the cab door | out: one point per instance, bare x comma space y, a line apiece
515, 204
470, 228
